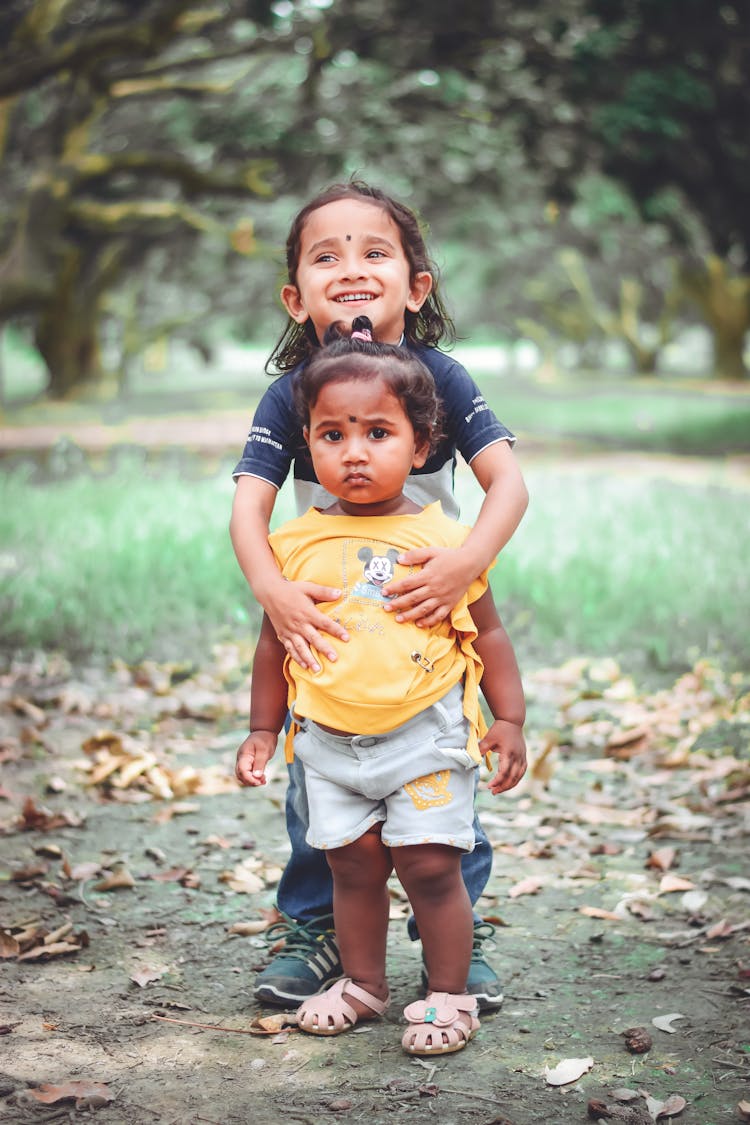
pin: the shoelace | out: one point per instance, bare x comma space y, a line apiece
298, 935
482, 931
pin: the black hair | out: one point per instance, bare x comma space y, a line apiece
344, 357
428, 326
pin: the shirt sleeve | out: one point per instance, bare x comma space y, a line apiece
275, 435
469, 422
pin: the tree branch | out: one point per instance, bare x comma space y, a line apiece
18, 75
90, 167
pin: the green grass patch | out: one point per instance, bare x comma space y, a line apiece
671, 419
647, 569
139, 563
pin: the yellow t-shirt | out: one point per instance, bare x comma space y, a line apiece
388, 671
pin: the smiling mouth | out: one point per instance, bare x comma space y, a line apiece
347, 297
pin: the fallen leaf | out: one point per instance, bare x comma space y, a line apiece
147, 976
662, 859
743, 1109
671, 883
664, 1023
36, 818
83, 871
722, 929
672, 1106
9, 946
529, 886
119, 878
246, 929
568, 1070
86, 1094
272, 1025
598, 912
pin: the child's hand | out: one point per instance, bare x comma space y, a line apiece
428, 595
505, 739
301, 627
253, 756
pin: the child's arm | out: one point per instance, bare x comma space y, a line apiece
297, 622
503, 691
268, 708
429, 594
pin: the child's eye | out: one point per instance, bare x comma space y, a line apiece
375, 254
332, 435
378, 433
327, 257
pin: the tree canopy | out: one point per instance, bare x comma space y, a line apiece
148, 146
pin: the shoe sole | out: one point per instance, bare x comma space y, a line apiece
488, 1003
271, 995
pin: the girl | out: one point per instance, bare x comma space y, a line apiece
354, 249
389, 733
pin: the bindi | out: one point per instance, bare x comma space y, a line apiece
352, 418
348, 238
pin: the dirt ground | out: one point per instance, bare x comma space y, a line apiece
619, 895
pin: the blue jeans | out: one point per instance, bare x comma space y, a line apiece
305, 891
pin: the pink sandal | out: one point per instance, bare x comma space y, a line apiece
435, 1024
330, 1014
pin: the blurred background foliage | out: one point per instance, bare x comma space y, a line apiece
584, 166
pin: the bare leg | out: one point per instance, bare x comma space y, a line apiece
360, 912
431, 876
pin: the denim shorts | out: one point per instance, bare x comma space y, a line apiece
417, 780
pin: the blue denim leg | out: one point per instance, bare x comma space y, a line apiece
305, 889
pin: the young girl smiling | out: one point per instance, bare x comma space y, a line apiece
354, 249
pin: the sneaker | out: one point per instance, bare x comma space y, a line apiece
483, 981
308, 962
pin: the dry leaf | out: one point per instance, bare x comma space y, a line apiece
598, 912
86, 1094
36, 818
671, 883
569, 1070
9, 946
246, 929
83, 871
662, 859
529, 886
118, 879
672, 1106
272, 1025
147, 976
664, 1023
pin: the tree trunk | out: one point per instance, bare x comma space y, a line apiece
724, 301
67, 337
68, 329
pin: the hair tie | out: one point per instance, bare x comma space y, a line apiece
362, 334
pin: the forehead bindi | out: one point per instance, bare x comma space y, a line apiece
358, 401
348, 220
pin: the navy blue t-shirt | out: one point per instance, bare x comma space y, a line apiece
275, 442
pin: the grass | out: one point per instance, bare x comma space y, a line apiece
660, 413
131, 565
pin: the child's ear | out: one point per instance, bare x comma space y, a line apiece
421, 453
306, 434
292, 302
420, 288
